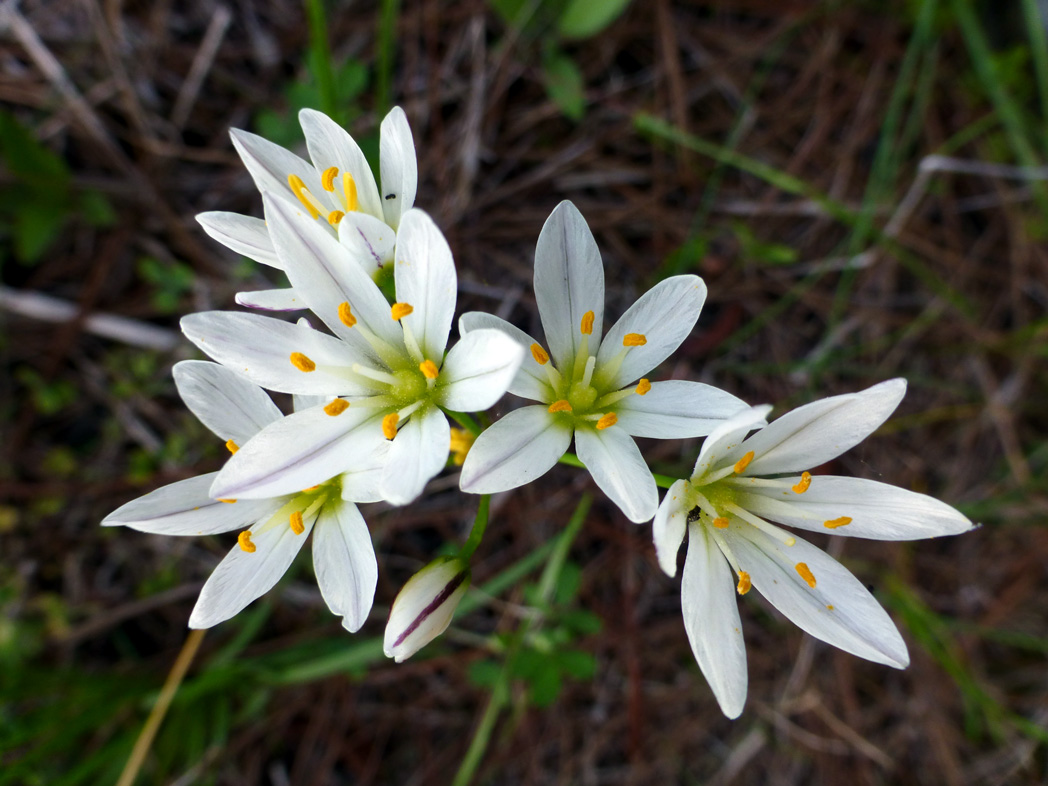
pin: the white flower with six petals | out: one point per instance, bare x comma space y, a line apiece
586, 385
725, 508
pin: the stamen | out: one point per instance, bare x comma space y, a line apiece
461, 442
720, 522
335, 216
744, 462
310, 202
643, 387
587, 323
587, 375
744, 583
804, 483
634, 340
345, 315
722, 544
429, 369
560, 406
231, 446
349, 190
244, 540
296, 523
805, 573
327, 179
706, 506
843, 521
336, 407
540, 355
607, 421
302, 363
372, 373
780, 535
389, 425
400, 310
311, 488
227, 501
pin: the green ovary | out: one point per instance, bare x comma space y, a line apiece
719, 495
409, 388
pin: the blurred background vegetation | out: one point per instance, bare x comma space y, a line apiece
861, 184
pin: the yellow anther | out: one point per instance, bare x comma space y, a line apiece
389, 425
349, 188
607, 421
298, 188
843, 521
643, 387
560, 406
461, 442
720, 522
540, 355
804, 483
429, 369
744, 462
231, 446
400, 310
328, 178
805, 573
830, 607
587, 323
634, 340
336, 407
296, 523
227, 501
335, 216
744, 583
311, 488
244, 539
345, 315
302, 363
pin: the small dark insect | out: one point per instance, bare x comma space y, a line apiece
391, 196
693, 514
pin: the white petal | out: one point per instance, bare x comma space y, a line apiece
478, 370
417, 454
286, 299
344, 563
677, 409
231, 406
301, 401
520, 447
243, 234
569, 281
368, 240
615, 462
326, 275
185, 508
243, 576
711, 618
726, 437
838, 609
260, 348
398, 168
424, 607
664, 315
299, 451
425, 278
815, 433
668, 527
329, 145
363, 482
878, 511
270, 165
531, 380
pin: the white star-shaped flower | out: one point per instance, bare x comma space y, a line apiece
337, 189
387, 363
276, 527
589, 387
727, 506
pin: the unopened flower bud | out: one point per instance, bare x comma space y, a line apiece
424, 607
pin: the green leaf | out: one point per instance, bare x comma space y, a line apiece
564, 84
35, 226
578, 664
484, 673
584, 18
29, 160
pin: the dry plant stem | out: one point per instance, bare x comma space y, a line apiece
163, 701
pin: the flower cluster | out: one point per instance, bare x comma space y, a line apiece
374, 391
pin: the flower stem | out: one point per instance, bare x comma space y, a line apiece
662, 481
320, 55
480, 523
163, 702
465, 421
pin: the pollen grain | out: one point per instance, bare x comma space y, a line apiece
744, 462
634, 340
843, 521
244, 541
389, 425
606, 421
805, 573
296, 523
336, 407
803, 484
540, 355
643, 387
400, 310
302, 363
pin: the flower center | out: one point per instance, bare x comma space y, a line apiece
342, 193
